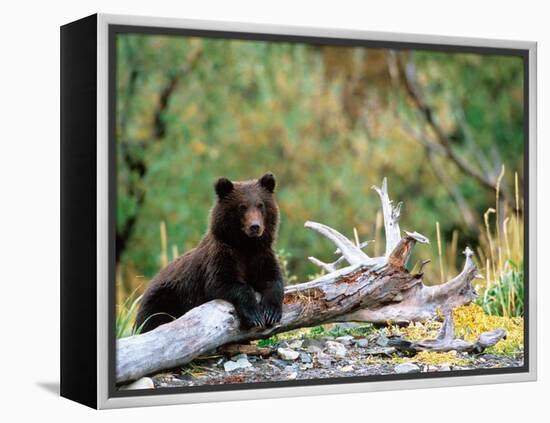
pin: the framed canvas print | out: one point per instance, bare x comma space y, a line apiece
253, 211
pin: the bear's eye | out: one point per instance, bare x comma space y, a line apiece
242, 207
260, 206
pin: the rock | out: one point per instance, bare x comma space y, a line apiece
346, 340
406, 368
347, 369
382, 341
336, 349
309, 342
143, 383
297, 344
305, 357
288, 354
292, 376
282, 344
314, 349
239, 356
279, 363
289, 369
324, 360
306, 366
241, 363
229, 366
380, 351
445, 367
362, 343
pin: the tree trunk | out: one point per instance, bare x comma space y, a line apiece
368, 289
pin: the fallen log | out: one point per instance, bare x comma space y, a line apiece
368, 289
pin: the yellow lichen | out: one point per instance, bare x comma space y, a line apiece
470, 321
416, 331
371, 359
435, 358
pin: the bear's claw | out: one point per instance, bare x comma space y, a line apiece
272, 314
253, 319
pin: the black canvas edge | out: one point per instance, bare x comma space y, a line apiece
398, 45
78, 266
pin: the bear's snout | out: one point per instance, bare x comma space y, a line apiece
255, 228
253, 225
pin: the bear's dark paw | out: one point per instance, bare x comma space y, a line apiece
272, 313
251, 319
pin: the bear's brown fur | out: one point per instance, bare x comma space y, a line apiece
233, 261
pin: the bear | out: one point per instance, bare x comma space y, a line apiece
234, 260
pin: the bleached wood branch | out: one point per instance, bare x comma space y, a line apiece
331, 267
327, 267
351, 252
391, 217
460, 283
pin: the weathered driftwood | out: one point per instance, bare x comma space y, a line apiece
248, 349
446, 341
370, 289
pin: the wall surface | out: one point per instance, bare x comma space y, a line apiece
29, 175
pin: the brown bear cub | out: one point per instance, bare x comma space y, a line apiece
233, 261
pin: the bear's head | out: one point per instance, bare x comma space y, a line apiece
245, 212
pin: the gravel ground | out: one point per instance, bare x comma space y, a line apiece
314, 359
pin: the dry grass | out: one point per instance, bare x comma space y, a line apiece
500, 258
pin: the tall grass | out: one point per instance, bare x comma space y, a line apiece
126, 314
439, 252
500, 254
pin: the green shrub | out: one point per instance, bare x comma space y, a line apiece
506, 296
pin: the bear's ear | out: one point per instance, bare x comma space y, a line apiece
268, 181
223, 186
